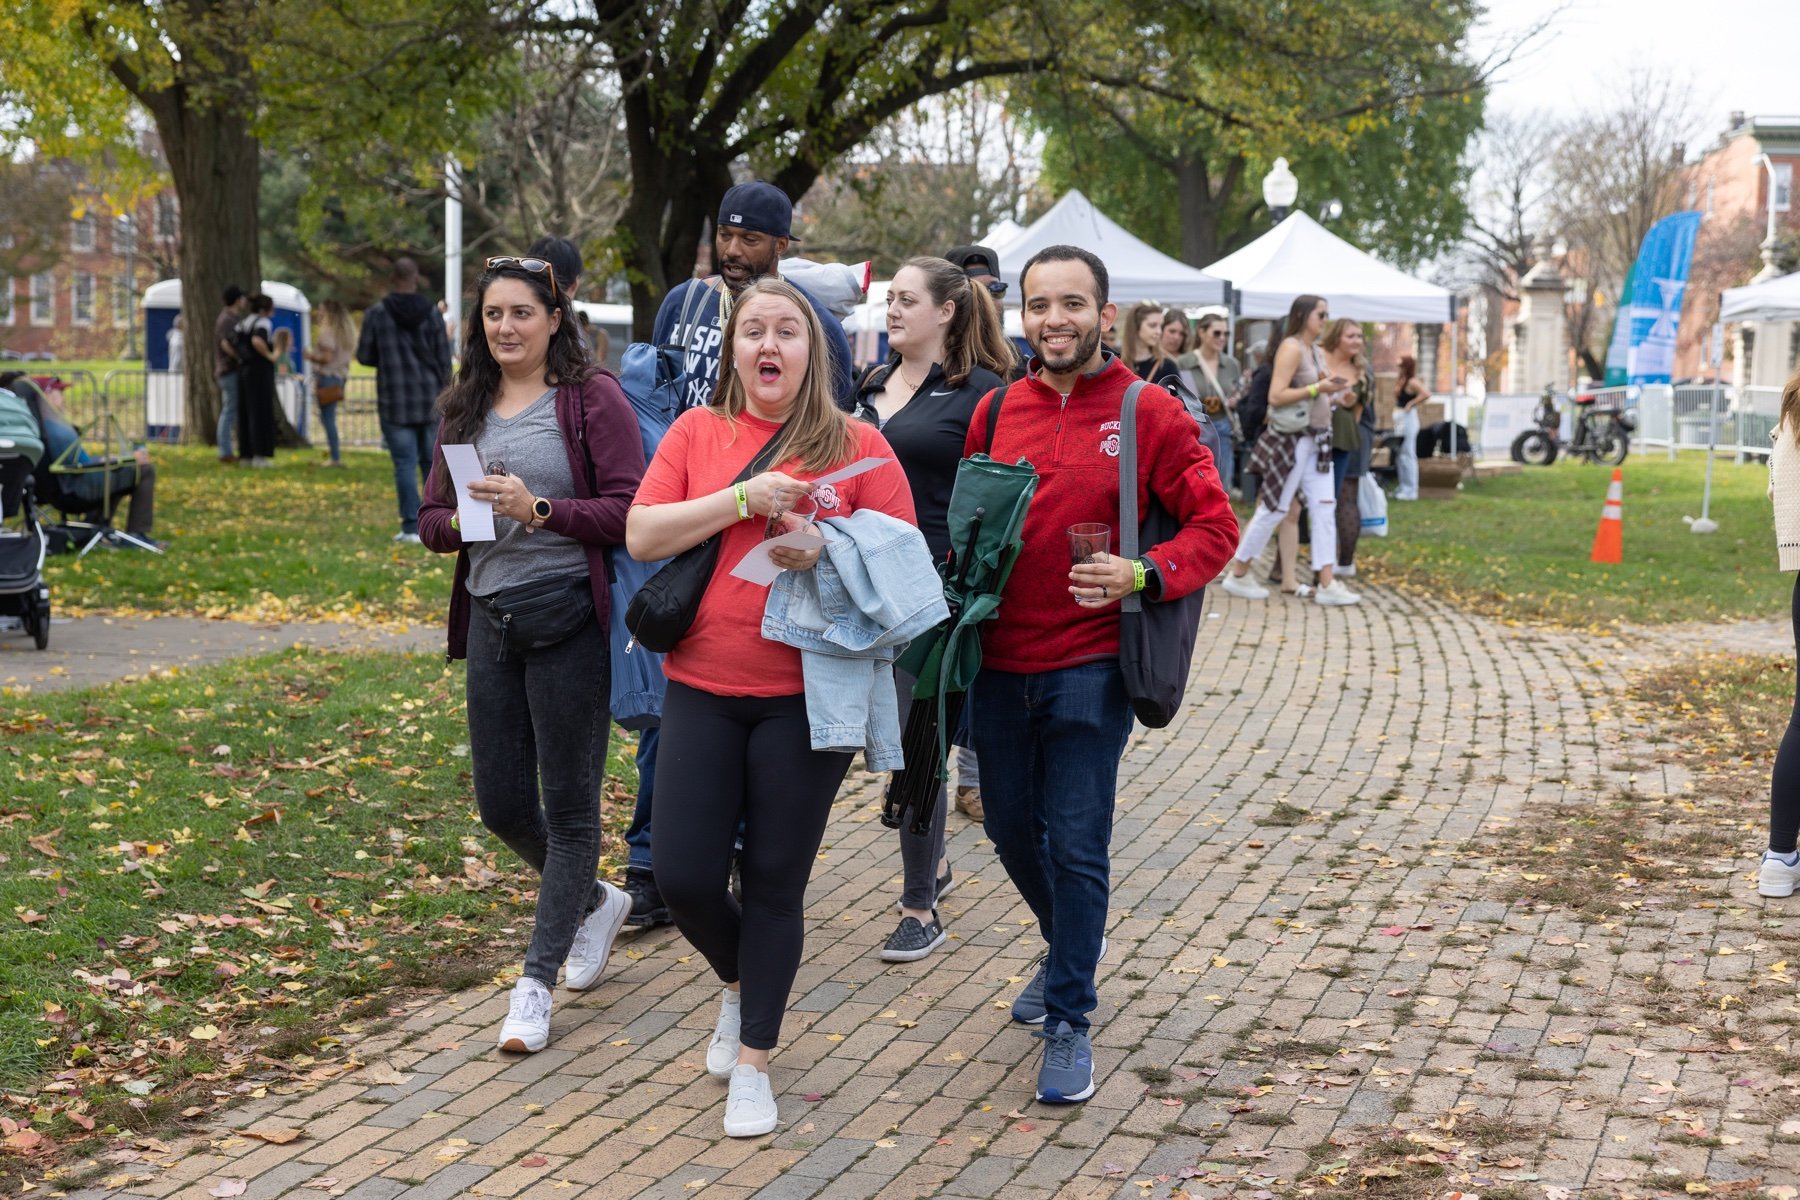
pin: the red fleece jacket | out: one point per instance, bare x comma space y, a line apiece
1074, 445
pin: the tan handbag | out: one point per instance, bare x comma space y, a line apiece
330, 395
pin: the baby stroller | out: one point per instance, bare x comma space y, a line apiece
23, 593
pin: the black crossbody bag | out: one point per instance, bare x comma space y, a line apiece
1156, 637
661, 613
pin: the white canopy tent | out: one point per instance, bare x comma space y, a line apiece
1300, 256
1136, 269
1774, 300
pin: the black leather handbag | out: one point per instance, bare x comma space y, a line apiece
663, 610
543, 612
1156, 637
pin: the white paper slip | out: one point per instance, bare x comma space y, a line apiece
759, 568
852, 471
475, 516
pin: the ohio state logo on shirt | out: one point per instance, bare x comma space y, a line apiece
1109, 439
825, 497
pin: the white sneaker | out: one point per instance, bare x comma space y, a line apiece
526, 1029
594, 939
1776, 876
407, 538
1336, 594
1244, 586
1345, 572
749, 1107
722, 1051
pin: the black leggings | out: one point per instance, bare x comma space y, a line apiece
1784, 788
722, 759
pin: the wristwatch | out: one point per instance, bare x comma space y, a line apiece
1152, 578
540, 511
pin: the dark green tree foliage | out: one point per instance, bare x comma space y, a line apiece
1170, 125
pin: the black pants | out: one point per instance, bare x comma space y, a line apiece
256, 410
721, 759
135, 482
538, 726
1784, 788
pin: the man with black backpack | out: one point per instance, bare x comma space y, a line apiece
403, 338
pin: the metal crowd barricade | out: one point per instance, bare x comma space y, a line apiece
1758, 412
152, 405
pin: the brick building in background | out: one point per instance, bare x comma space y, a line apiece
85, 305
1731, 188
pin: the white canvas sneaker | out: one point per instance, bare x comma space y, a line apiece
594, 939
750, 1106
1776, 876
526, 1029
722, 1051
1336, 595
1244, 586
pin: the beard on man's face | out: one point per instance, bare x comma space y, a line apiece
1078, 352
739, 269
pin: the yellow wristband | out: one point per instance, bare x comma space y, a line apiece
456, 522
1313, 391
742, 495
1137, 574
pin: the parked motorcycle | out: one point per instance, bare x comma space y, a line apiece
1602, 432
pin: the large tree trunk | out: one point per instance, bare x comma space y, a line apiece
213, 160
1199, 212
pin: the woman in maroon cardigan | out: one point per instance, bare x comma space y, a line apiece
528, 608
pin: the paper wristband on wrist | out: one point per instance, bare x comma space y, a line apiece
456, 522
742, 495
1313, 391
1137, 574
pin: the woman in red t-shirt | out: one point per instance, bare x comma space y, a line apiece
736, 742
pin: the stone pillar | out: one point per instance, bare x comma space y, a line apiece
1536, 354
1767, 364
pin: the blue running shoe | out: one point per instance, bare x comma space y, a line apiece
1029, 1008
1067, 1076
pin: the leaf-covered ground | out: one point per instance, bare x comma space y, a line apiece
209, 878
294, 542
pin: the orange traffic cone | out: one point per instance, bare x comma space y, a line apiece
1609, 539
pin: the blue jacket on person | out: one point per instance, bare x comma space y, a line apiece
873, 591
702, 335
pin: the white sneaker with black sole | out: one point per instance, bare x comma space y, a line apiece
526, 1029
1244, 587
722, 1051
750, 1106
594, 939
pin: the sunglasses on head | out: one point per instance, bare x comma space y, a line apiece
536, 266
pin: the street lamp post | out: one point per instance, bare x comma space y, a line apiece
1280, 189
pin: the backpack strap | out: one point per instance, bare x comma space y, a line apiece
993, 420
1128, 504
696, 289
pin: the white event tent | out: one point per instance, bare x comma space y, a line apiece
1300, 256
1775, 300
1136, 269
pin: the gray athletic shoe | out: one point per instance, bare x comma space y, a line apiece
1067, 1076
1029, 1008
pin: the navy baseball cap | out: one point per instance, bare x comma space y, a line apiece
962, 256
760, 207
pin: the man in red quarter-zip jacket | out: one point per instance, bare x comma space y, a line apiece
1049, 713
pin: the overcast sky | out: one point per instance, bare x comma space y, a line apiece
1739, 54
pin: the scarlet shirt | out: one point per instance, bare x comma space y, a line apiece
1074, 444
724, 651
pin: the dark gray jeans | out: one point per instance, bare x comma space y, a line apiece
919, 853
538, 728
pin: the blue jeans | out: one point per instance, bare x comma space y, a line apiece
1049, 746
1340, 467
228, 414
328, 416
1227, 460
637, 836
411, 447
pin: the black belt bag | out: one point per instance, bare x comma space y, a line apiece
531, 616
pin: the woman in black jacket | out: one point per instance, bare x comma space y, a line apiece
947, 351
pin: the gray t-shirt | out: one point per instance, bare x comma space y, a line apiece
531, 446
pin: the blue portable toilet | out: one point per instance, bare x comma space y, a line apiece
162, 304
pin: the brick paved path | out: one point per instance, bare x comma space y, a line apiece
1274, 989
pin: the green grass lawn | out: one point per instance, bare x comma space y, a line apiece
1517, 546
291, 542
226, 868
